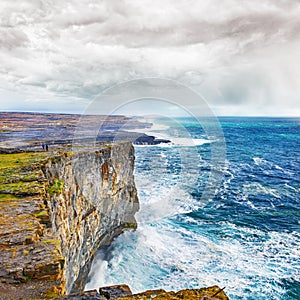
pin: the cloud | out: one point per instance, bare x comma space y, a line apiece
74, 49
12, 38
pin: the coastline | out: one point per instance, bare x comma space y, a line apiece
49, 247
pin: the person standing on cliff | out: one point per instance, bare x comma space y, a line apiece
43, 146
47, 148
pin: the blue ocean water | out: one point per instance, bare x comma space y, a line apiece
246, 238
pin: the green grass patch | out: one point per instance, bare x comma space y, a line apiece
8, 197
52, 295
27, 279
56, 187
22, 188
21, 175
10, 176
41, 214
130, 225
17, 160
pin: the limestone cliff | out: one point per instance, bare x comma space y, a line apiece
96, 200
55, 211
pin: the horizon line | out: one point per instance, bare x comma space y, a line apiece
141, 116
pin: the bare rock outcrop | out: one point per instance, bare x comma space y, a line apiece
123, 292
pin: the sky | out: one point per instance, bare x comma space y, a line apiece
242, 56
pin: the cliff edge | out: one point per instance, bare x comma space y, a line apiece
56, 210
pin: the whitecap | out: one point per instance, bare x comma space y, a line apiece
189, 142
259, 161
256, 188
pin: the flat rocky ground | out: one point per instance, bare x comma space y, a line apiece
31, 130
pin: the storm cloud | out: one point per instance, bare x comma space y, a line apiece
240, 55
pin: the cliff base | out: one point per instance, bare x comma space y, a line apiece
123, 292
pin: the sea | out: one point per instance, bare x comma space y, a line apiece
243, 236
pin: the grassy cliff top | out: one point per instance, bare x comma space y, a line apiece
20, 173
26, 253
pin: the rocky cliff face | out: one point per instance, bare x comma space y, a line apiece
95, 201
56, 210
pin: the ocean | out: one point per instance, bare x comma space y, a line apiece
246, 238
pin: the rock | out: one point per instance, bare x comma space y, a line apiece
149, 140
150, 294
9, 150
123, 292
93, 203
90, 295
210, 293
115, 291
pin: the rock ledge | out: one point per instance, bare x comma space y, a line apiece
123, 292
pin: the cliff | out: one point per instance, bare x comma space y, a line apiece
56, 209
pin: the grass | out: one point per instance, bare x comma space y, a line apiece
41, 214
56, 187
27, 279
52, 295
20, 174
130, 225
8, 197
21, 178
8, 176
22, 188
53, 242
18, 160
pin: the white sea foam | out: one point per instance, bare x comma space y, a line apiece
177, 142
189, 142
165, 256
292, 188
259, 161
160, 131
267, 164
256, 188
162, 255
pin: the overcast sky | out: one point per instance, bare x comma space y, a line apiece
243, 56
